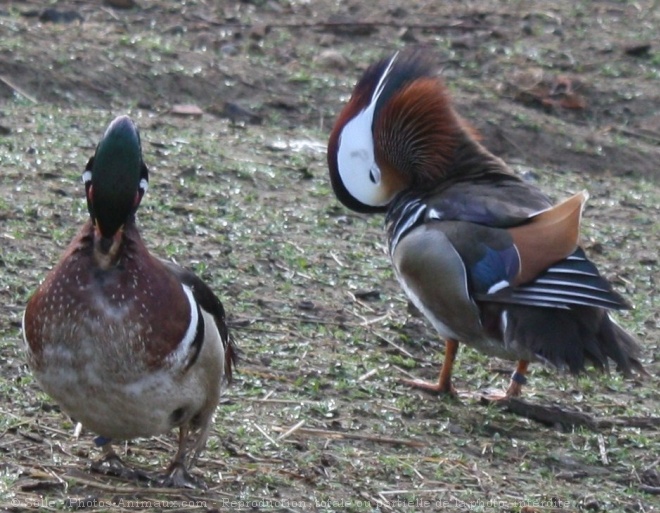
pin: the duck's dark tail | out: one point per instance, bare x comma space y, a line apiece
569, 338
619, 345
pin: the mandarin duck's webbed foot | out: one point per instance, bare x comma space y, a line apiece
518, 379
444, 385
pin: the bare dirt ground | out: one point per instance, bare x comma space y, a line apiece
567, 92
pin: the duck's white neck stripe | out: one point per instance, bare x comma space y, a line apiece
409, 217
183, 351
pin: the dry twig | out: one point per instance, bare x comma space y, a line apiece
17, 89
352, 436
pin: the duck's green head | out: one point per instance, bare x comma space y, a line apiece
116, 178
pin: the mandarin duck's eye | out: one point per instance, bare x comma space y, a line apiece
374, 175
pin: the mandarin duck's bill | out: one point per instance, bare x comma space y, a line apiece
127, 344
486, 257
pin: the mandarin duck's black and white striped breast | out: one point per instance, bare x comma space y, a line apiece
487, 258
127, 344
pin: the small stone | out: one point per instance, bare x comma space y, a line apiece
331, 59
367, 295
648, 259
52, 15
398, 12
327, 40
229, 49
407, 35
258, 32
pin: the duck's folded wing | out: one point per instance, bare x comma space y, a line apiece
499, 270
572, 281
210, 303
502, 201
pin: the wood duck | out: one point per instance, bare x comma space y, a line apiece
128, 344
485, 256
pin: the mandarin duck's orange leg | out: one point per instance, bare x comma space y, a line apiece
518, 379
443, 386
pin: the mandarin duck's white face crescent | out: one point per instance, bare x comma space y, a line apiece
356, 160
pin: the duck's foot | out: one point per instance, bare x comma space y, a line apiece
112, 465
431, 388
492, 396
514, 390
443, 386
176, 476
518, 379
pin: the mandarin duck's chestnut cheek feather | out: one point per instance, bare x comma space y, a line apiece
128, 345
417, 133
487, 258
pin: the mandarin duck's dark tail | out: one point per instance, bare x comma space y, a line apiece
619, 345
571, 338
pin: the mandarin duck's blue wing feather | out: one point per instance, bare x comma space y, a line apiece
497, 268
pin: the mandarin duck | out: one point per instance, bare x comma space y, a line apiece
486, 257
127, 344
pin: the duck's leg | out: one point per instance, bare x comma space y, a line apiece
111, 464
443, 386
176, 474
518, 379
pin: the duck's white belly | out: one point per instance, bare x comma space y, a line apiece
143, 407
113, 392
